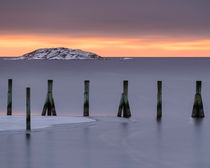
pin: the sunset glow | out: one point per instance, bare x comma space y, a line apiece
13, 45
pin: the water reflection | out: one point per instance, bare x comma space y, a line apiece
198, 142
198, 121
28, 156
86, 146
124, 129
28, 135
50, 149
10, 152
159, 144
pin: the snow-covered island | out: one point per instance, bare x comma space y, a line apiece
58, 54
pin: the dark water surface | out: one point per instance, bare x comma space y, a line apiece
176, 141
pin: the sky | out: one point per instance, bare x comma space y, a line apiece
144, 28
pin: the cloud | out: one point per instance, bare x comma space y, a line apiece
112, 18
18, 45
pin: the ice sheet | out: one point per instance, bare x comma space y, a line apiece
9, 123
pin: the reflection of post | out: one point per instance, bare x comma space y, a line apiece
159, 99
28, 110
124, 103
198, 111
49, 102
86, 98
27, 149
9, 100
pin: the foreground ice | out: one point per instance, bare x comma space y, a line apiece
9, 123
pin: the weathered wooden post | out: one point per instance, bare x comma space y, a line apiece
198, 111
159, 99
126, 111
120, 108
124, 103
28, 110
86, 98
9, 100
49, 102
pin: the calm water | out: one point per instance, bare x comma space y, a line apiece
176, 141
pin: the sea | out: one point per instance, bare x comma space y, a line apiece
175, 141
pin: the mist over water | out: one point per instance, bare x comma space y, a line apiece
176, 141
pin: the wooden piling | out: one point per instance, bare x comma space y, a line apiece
126, 111
159, 99
28, 110
9, 99
49, 105
120, 109
125, 87
86, 98
198, 111
124, 103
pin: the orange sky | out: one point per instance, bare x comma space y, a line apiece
17, 45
